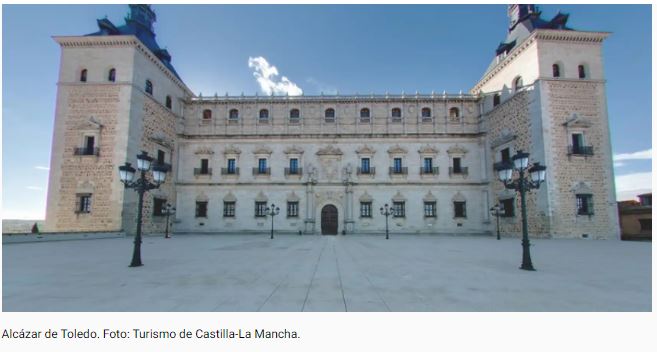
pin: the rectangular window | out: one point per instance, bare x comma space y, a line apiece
204, 167
292, 209
89, 144
260, 209
646, 224
398, 209
397, 165
229, 209
578, 141
365, 165
160, 156
365, 209
459, 210
159, 204
505, 155
201, 209
429, 209
428, 165
456, 164
294, 166
507, 208
231, 166
584, 204
262, 166
83, 203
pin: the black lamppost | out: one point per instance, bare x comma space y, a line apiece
522, 184
273, 211
386, 211
168, 211
141, 186
497, 212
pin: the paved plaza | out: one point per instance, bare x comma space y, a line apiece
326, 273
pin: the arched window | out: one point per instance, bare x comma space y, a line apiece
294, 113
556, 71
263, 114
517, 83
149, 87
396, 113
364, 113
207, 114
329, 114
581, 71
168, 102
234, 114
496, 99
111, 76
83, 75
454, 113
426, 112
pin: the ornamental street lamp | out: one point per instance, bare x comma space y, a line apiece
141, 186
272, 211
386, 211
522, 185
497, 212
168, 210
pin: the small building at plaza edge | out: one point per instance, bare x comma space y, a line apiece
331, 161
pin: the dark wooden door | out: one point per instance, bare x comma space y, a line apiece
329, 220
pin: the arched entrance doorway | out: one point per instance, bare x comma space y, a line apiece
329, 220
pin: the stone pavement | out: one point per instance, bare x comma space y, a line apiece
326, 273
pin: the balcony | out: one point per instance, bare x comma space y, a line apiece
231, 171
293, 172
580, 150
398, 171
261, 171
86, 151
366, 171
458, 171
429, 171
168, 166
201, 171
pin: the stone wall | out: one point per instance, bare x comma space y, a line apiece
579, 106
88, 173
509, 126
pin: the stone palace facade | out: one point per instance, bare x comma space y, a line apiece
330, 162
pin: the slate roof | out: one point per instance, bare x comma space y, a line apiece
140, 24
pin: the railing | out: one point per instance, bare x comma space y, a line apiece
334, 97
227, 171
367, 171
398, 170
296, 171
580, 150
201, 171
295, 120
261, 171
458, 171
86, 151
429, 171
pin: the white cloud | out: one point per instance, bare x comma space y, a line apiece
640, 155
34, 188
267, 77
42, 168
628, 186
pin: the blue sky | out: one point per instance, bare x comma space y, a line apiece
347, 49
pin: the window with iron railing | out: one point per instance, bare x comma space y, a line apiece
398, 209
429, 209
584, 204
260, 209
229, 209
365, 209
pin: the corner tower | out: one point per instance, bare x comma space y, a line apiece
545, 93
117, 95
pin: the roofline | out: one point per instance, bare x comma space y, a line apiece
332, 98
120, 40
540, 34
